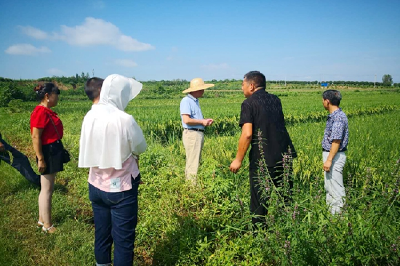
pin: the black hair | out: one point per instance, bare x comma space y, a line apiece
257, 78
44, 88
92, 87
333, 96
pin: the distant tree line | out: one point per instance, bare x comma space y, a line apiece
338, 82
12, 89
23, 89
73, 80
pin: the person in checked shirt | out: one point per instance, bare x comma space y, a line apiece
334, 145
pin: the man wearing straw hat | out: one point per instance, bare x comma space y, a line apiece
193, 126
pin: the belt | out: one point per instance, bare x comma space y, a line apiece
195, 129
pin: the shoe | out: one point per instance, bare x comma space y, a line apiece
39, 224
49, 230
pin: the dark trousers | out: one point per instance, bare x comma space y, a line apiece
19, 162
258, 205
115, 219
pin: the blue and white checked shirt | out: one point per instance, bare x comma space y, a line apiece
190, 106
337, 127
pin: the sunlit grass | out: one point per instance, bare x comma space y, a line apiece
209, 225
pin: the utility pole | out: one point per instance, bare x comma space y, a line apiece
92, 72
375, 81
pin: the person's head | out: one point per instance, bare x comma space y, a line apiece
253, 81
197, 94
47, 94
331, 97
118, 91
93, 88
197, 87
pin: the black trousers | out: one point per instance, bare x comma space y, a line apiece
258, 205
19, 162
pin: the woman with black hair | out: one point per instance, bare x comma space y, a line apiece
47, 132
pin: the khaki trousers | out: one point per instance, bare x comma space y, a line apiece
193, 142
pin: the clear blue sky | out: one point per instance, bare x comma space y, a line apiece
184, 39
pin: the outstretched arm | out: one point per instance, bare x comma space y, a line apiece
194, 122
244, 143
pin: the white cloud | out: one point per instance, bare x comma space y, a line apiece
33, 32
127, 43
125, 63
26, 49
92, 32
55, 72
215, 66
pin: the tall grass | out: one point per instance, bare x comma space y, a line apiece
211, 224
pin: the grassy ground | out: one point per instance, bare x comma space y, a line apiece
209, 225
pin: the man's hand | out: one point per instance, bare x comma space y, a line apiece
207, 122
41, 166
2, 147
327, 165
235, 166
332, 153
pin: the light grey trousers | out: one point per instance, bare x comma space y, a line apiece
334, 187
193, 142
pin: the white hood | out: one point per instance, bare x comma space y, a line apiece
109, 136
118, 91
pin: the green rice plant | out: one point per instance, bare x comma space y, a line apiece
211, 224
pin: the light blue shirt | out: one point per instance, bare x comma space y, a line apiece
190, 106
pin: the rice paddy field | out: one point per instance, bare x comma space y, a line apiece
211, 224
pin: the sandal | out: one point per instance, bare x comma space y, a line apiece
49, 230
39, 224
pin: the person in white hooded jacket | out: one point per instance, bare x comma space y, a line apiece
110, 144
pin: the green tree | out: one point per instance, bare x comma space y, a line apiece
387, 80
5, 94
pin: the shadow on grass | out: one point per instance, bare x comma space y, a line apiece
21, 184
180, 243
14, 183
60, 188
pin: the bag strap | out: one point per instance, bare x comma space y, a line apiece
54, 126
57, 133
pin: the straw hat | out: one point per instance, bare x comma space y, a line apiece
197, 84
